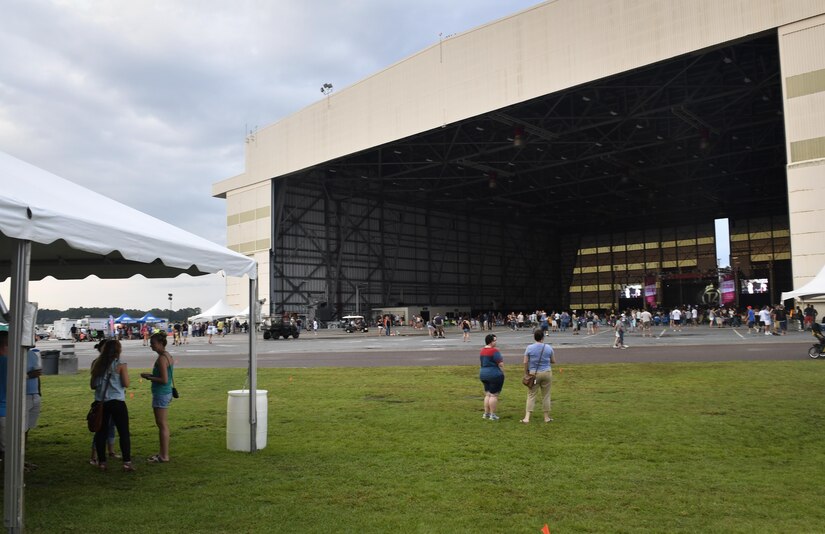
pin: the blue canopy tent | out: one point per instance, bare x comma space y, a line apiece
148, 318
124, 318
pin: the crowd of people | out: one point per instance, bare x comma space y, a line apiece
539, 356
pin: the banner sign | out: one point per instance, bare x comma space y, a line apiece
727, 289
650, 290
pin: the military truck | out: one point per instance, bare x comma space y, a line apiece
281, 328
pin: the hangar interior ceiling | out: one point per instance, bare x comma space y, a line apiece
681, 142
693, 138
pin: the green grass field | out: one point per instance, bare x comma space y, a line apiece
719, 447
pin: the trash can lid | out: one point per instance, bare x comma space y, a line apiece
245, 392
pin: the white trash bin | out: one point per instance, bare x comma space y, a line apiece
237, 420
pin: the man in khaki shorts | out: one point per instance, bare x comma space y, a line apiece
647, 319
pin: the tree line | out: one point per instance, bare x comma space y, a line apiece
47, 316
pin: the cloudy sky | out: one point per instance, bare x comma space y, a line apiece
148, 102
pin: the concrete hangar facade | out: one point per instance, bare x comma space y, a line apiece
550, 159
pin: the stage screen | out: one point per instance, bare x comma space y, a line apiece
753, 286
631, 291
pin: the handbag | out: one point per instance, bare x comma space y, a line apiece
94, 419
529, 380
175, 394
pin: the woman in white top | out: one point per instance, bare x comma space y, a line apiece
110, 378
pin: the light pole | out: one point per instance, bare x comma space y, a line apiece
170, 307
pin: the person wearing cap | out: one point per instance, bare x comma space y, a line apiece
751, 320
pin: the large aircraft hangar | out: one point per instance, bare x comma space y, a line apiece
561, 157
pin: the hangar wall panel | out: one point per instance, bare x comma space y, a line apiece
327, 246
249, 231
550, 47
803, 83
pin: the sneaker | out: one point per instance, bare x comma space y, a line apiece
493, 417
485, 416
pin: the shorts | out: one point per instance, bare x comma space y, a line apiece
493, 385
32, 410
750, 324
161, 401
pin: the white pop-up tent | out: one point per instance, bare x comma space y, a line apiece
52, 227
812, 290
219, 310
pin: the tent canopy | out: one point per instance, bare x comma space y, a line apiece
219, 310
76, 232
148, 318
813, 289
124, 319
52, 227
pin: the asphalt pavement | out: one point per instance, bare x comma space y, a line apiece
335, 348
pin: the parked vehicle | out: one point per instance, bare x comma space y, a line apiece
281, 328
353, 323
62, 328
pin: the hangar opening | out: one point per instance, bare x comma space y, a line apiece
571, 200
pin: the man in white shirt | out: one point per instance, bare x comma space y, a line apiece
765, 319
676, 319
647, 319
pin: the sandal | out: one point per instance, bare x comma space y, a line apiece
127, 466
156, 459
526, 422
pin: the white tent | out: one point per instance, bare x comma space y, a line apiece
50, 226
220, 310
813, 289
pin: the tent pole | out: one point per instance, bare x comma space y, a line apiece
253, 363
16, 390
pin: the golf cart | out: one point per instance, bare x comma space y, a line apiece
353, 323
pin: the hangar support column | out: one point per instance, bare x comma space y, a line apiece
803, 86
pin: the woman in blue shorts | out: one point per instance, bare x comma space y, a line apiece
491, 375
162, 378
